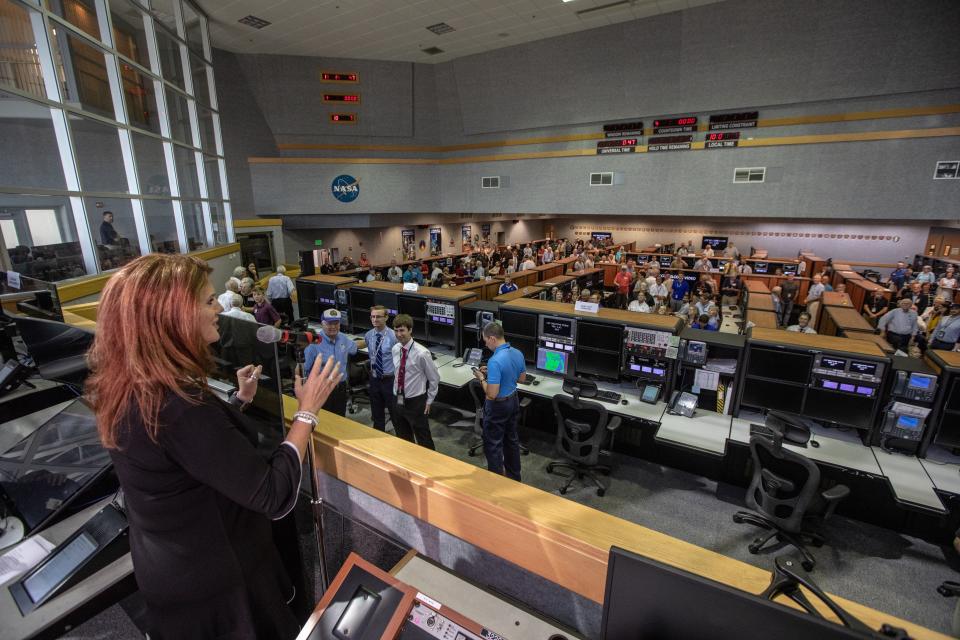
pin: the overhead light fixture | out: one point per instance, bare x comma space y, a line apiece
254, 21
440, 28
606, 7
432, 51
566, 1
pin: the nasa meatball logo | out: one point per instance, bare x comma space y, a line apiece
345, 188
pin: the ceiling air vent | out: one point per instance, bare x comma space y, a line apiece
490, 182
749, 174
440, 28
432, 51
254, 21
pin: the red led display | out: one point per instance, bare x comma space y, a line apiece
624, 142
676, 122
328, 76
727, 135
343, 117
341, 97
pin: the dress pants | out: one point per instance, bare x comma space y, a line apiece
787, 312
942, 346
337, 400
411, 423
501, 443
284, 306
382, 401
899, 341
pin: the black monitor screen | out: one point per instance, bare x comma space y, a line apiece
413, 307
556, 327
848, 410
519, 323
326, 296
834, 364
386, 299
592, 335
779, 365
790, 268
597, 363
666, 261
526, 346
760, 267
717, 242
765, 394
862, 367
651, 600
361, 299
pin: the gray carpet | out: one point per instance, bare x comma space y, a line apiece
871, 565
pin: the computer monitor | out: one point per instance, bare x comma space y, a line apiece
553, 361
651, 600
326, 296
666, 261
778, 364
598, 363
593, 335
717, 242
790, 268
558, 328
519, 323
760, 267
413, 307
361, 299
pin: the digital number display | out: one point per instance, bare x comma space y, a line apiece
343, 117
741, 120
331, 76
623, 142
621, 128
341, 97
676, 122
729, 135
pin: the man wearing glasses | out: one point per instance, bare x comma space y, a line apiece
380, 341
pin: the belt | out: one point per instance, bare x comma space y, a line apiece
386, 376
503, 398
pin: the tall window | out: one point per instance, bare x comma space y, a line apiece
109, 131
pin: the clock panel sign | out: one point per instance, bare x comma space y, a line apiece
743, 120
722, 140
618, 129
623, 145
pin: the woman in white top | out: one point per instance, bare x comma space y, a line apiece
947, 285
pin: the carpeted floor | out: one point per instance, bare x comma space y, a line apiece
874, 566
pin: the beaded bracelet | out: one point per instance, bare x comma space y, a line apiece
307, 417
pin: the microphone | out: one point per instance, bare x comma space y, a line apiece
271, 335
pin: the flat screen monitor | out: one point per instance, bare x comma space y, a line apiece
593, 335
760, 267
765, 394
361, 299
326, 295
557, 327
648, 599
833, 364
779, 365
601, 237
717, 242
597, 363
666, 261
643, 259
386, 299
518, 323
526, 346
553, 361
864, 368
790, 268
413, 307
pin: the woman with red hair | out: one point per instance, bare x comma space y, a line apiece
199, 496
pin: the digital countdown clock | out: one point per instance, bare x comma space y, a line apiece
342, 97
622, 129
624, 145
332, 76
669, 143
743, 120
723, 140
685, 124
343, 118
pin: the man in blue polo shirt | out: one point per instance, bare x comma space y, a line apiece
333, 343
501, 443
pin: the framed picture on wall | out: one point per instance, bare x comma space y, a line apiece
485, 231
436, 243
466, 231
408, 241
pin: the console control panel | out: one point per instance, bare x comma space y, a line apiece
440, 312
647, 342
868, 371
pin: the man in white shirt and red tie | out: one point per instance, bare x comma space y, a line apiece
415, 384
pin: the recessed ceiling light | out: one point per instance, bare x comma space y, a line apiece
440, 28
254, 21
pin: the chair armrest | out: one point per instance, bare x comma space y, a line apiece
613, 424
833, 496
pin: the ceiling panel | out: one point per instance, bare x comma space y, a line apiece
396, 29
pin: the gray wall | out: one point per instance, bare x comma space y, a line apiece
783, 58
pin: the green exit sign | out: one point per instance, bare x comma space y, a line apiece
319, 243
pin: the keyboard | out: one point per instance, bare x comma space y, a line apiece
530, 379
609, 396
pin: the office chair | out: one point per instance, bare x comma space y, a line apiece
784, 495
476, 393
582, 428
358, 375
59, 350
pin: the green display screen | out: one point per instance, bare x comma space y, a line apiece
554, 361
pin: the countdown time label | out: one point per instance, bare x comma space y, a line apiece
722, 140
623, 145
686, 124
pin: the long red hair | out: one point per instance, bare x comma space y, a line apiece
148, 341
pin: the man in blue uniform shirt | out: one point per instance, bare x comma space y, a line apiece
333, 343
380, 341
507, 286
501, 410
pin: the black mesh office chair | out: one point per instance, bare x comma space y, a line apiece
59, 350
358, 376
582, 428
476, 393
784, 495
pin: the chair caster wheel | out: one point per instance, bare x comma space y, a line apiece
563, 491
807, 565
600, 492
754, 549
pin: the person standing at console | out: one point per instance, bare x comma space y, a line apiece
199, 495
415, 384
380, 341
334, 345
501, 409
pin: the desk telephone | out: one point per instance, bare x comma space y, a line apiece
472, 357
341, 297
682, 404
693, 352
